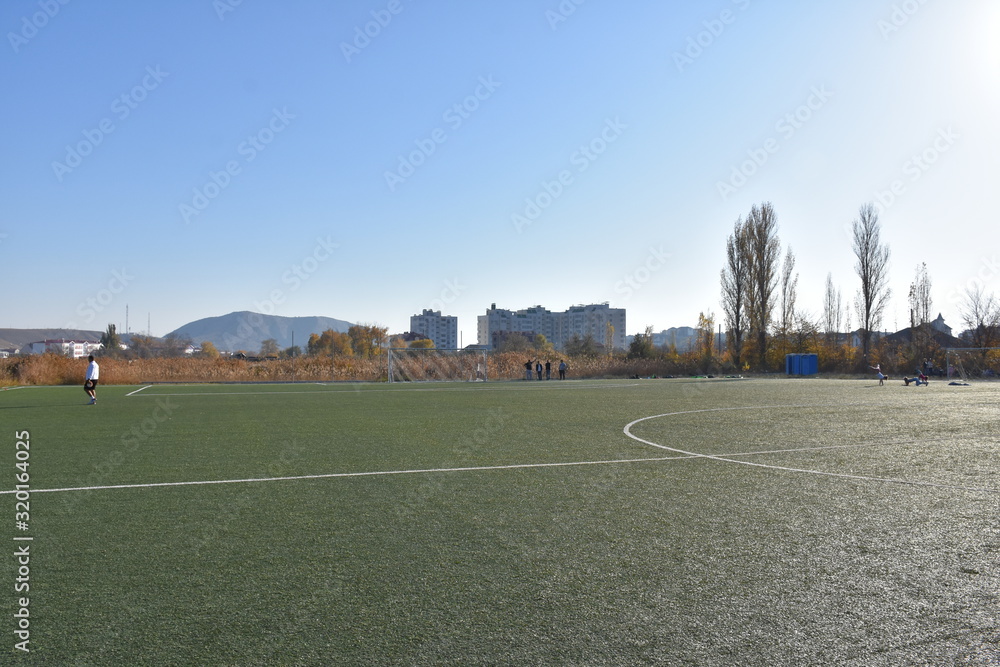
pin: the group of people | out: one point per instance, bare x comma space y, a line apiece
918, 379
538, 368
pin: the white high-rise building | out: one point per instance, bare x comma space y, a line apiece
558, 328
442, 329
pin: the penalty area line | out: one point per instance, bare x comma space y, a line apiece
381, 388
375, 473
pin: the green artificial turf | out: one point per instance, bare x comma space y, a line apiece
515, 523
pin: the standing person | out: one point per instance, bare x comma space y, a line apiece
527, 369
90, 383
562, 369
878, 371
548, 370
538, 369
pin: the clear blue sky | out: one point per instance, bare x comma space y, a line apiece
193, 158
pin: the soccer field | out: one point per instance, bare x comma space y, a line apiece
683, 521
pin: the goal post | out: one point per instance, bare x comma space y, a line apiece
409, 364
973, 363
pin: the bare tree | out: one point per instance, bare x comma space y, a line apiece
788, 288
763, 247
269, 347
873, 269
920, 297
981, 316
805, 332
706, 331
735, 278
832, 311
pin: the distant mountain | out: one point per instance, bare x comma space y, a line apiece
246, 330
20, 337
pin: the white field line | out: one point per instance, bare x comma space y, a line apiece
726, 458
347, 389
133, 393
376, 473
379, 473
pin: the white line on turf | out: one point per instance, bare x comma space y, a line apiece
355, 390
133, 393
378, 473
726, 458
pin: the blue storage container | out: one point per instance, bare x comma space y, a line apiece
801, 364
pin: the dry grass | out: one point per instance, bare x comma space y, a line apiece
52, 369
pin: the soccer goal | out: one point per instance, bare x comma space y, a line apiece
407, 364
973, 363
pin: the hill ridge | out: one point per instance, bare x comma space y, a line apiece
246, 330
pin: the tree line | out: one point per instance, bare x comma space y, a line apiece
763, 323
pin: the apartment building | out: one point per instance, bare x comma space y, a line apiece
558, 327
442, 329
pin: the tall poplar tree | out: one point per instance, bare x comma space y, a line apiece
872, 267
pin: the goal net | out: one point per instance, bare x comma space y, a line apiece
408, 364
973, 363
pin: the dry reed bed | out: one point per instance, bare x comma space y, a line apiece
52, 369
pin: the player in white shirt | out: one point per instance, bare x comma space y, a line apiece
90, 385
